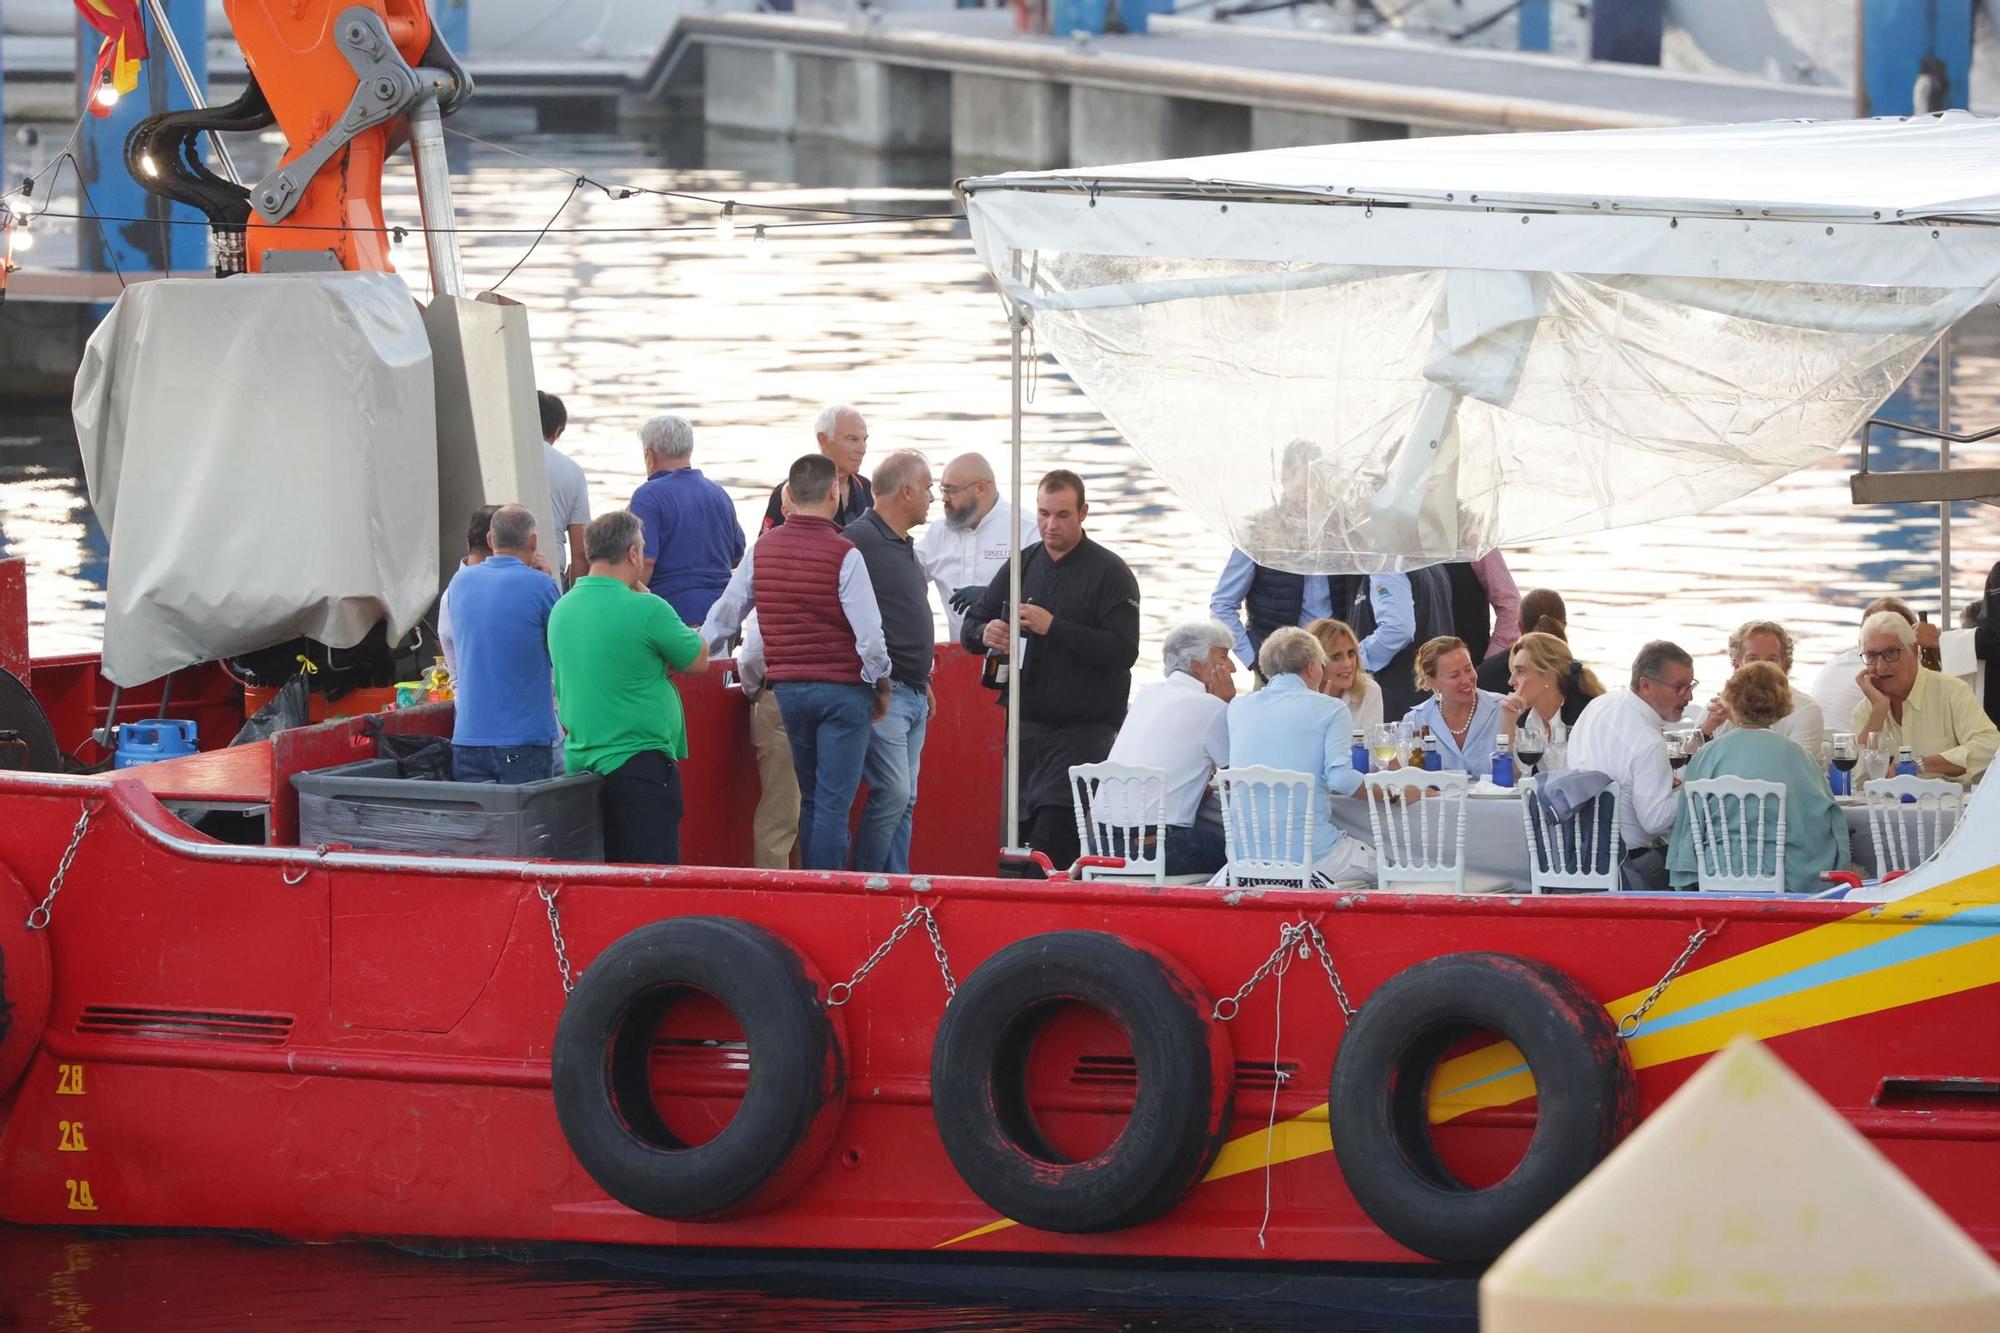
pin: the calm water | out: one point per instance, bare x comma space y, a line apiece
749, 340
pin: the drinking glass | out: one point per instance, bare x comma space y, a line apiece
1383, 746
1677, 749
1531, 740
1875, 758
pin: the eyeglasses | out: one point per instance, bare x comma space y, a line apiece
948, 491
1887, 657
1688, 688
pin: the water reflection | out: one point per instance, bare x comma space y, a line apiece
69, 1280
749, 339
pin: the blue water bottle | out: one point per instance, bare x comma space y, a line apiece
1839, 783
1906, 762
1433, 756
1503, 762
1360, 753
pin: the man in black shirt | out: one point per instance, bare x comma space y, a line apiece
1079, 638
903, 496
843, 437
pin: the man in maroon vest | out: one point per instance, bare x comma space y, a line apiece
824, 655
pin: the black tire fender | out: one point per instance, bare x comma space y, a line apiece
1182, 1107
600, 1070
1379, 1102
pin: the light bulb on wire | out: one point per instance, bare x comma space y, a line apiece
107, 95
725, 223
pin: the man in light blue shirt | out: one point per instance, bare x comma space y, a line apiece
506, 717
1289, 724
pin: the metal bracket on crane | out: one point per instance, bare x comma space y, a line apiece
388, 88
1937, 486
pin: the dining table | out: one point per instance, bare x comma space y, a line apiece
1496, 838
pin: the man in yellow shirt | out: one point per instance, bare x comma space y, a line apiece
1937, 716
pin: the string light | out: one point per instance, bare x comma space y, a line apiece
725, 223
107, 95
757, 236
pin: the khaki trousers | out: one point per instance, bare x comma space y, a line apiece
774, 829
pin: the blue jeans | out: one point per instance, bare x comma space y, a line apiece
1193, 850
894, 752
828, 725
502, 763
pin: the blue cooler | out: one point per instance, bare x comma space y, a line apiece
162, 738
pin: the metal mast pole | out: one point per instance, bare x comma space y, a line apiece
163, 32
434, 197
1016, 321
1944, 465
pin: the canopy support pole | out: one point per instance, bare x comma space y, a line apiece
1944, 465
1016, 322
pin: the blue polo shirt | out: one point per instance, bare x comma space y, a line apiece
692, 538
500, 622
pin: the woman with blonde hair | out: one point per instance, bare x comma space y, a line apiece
1815, 830
1546, 677
1463, 718
1343, 678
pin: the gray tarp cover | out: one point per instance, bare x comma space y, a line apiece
261, 452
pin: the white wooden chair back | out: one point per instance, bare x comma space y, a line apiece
1268, 816
1906, 835
1739, 834
1586, 854
1118, 814
1423, 841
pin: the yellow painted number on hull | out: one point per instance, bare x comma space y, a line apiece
72, 1136
79, 1197
69, 1080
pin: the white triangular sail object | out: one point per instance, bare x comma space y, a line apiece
1744, 1203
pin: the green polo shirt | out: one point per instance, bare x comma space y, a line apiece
611, 648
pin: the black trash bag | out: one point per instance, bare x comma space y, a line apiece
288, 708
421, 757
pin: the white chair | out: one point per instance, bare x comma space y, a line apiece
1585, 855
1268, 815
1118, 814
1420, 845
1729, 819
1907, 835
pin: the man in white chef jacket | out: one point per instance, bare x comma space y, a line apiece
963, 553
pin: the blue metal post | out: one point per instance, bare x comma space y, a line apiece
1534, 25
169, 237
453, 21
1905, 43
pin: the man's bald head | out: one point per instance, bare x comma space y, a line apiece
968, 490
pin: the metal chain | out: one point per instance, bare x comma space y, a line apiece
1306, 938
840, 992
39, 918
548, 896
1630, 1023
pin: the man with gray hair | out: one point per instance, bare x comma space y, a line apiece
693, 538
1768, 641
505, 722
1906, 704
1618, 735
1289, 724
842, 435
1180, 726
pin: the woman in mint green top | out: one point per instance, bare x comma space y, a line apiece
1815, 830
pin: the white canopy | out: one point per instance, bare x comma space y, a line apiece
1384, 355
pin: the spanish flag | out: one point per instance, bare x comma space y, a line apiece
124, 45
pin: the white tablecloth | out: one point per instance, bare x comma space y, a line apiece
1496, 842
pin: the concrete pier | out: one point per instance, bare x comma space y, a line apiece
964, 79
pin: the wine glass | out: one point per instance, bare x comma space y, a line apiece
1531, 740
1844, 757
1383, 746
1875, 755
1677, 749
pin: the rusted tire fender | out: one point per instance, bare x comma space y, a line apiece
1379, 1107
601, 1070
26, 982
979, 1092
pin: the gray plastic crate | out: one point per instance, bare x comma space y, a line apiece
367, 806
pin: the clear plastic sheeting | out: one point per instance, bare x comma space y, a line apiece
1545, 335
1335, 419
262, 454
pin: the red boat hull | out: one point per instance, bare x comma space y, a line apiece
348, 1044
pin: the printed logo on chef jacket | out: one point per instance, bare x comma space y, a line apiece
999, 552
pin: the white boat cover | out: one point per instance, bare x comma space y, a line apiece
261, 454
1384, 355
